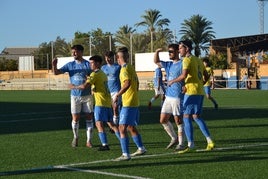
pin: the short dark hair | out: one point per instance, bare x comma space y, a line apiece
109, 54
174, 46
96, 58
78, 47
124, 50
206, 60
187, 43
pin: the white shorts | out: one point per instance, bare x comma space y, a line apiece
172, 106
160, 91
81, 104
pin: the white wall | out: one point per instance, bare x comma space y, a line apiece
26, 63
145, 61
63, 60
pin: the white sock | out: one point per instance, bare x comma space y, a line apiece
89, 130
191, 145
170, 130
180, 133
75, 128
209, 140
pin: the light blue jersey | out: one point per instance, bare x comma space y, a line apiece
78, 72
173, 70
112, 72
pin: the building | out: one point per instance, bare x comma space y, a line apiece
13, 53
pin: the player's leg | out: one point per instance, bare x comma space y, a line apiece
101, 116
75, 110
165, 115
87, 109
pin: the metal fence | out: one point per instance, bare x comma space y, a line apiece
145, 84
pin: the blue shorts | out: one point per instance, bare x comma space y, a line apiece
207, 90
104, 114
193, 104
129, 116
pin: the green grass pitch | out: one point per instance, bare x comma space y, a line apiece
35, 137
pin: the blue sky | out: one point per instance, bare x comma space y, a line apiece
28, 23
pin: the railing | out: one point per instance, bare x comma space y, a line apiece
62, 84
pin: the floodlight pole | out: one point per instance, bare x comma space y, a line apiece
90, 43
130, 40
110, 42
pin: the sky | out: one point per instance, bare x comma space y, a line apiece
28, 23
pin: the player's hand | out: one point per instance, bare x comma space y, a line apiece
183, 90
169, 83
115, 99
55, 62
71, 86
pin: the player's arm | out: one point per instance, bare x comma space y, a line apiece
56, 71
156, 57
179, 78
123, 89
82, 86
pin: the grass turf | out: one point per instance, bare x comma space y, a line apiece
35, 128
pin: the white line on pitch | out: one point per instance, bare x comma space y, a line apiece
112, 160
164, 154
235, 147
99, 172
68, 166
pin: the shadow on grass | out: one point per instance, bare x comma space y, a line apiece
234, 113
33, 117
31, 171
36, 117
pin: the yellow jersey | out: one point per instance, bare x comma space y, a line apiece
210, 74
102, 94
130, 98
194, 79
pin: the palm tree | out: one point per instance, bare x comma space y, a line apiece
123, 35
151, 20
197, 29
164, 38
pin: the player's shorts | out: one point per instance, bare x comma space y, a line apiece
129, 116
160, 91
81, 104
104, 114
119, 99
207, 90
193, 104
172, 106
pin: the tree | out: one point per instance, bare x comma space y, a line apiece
124, 35
82, 39
151, 20
218, 61
164, 38
8, 64
197, 29
101, 41
43, 56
